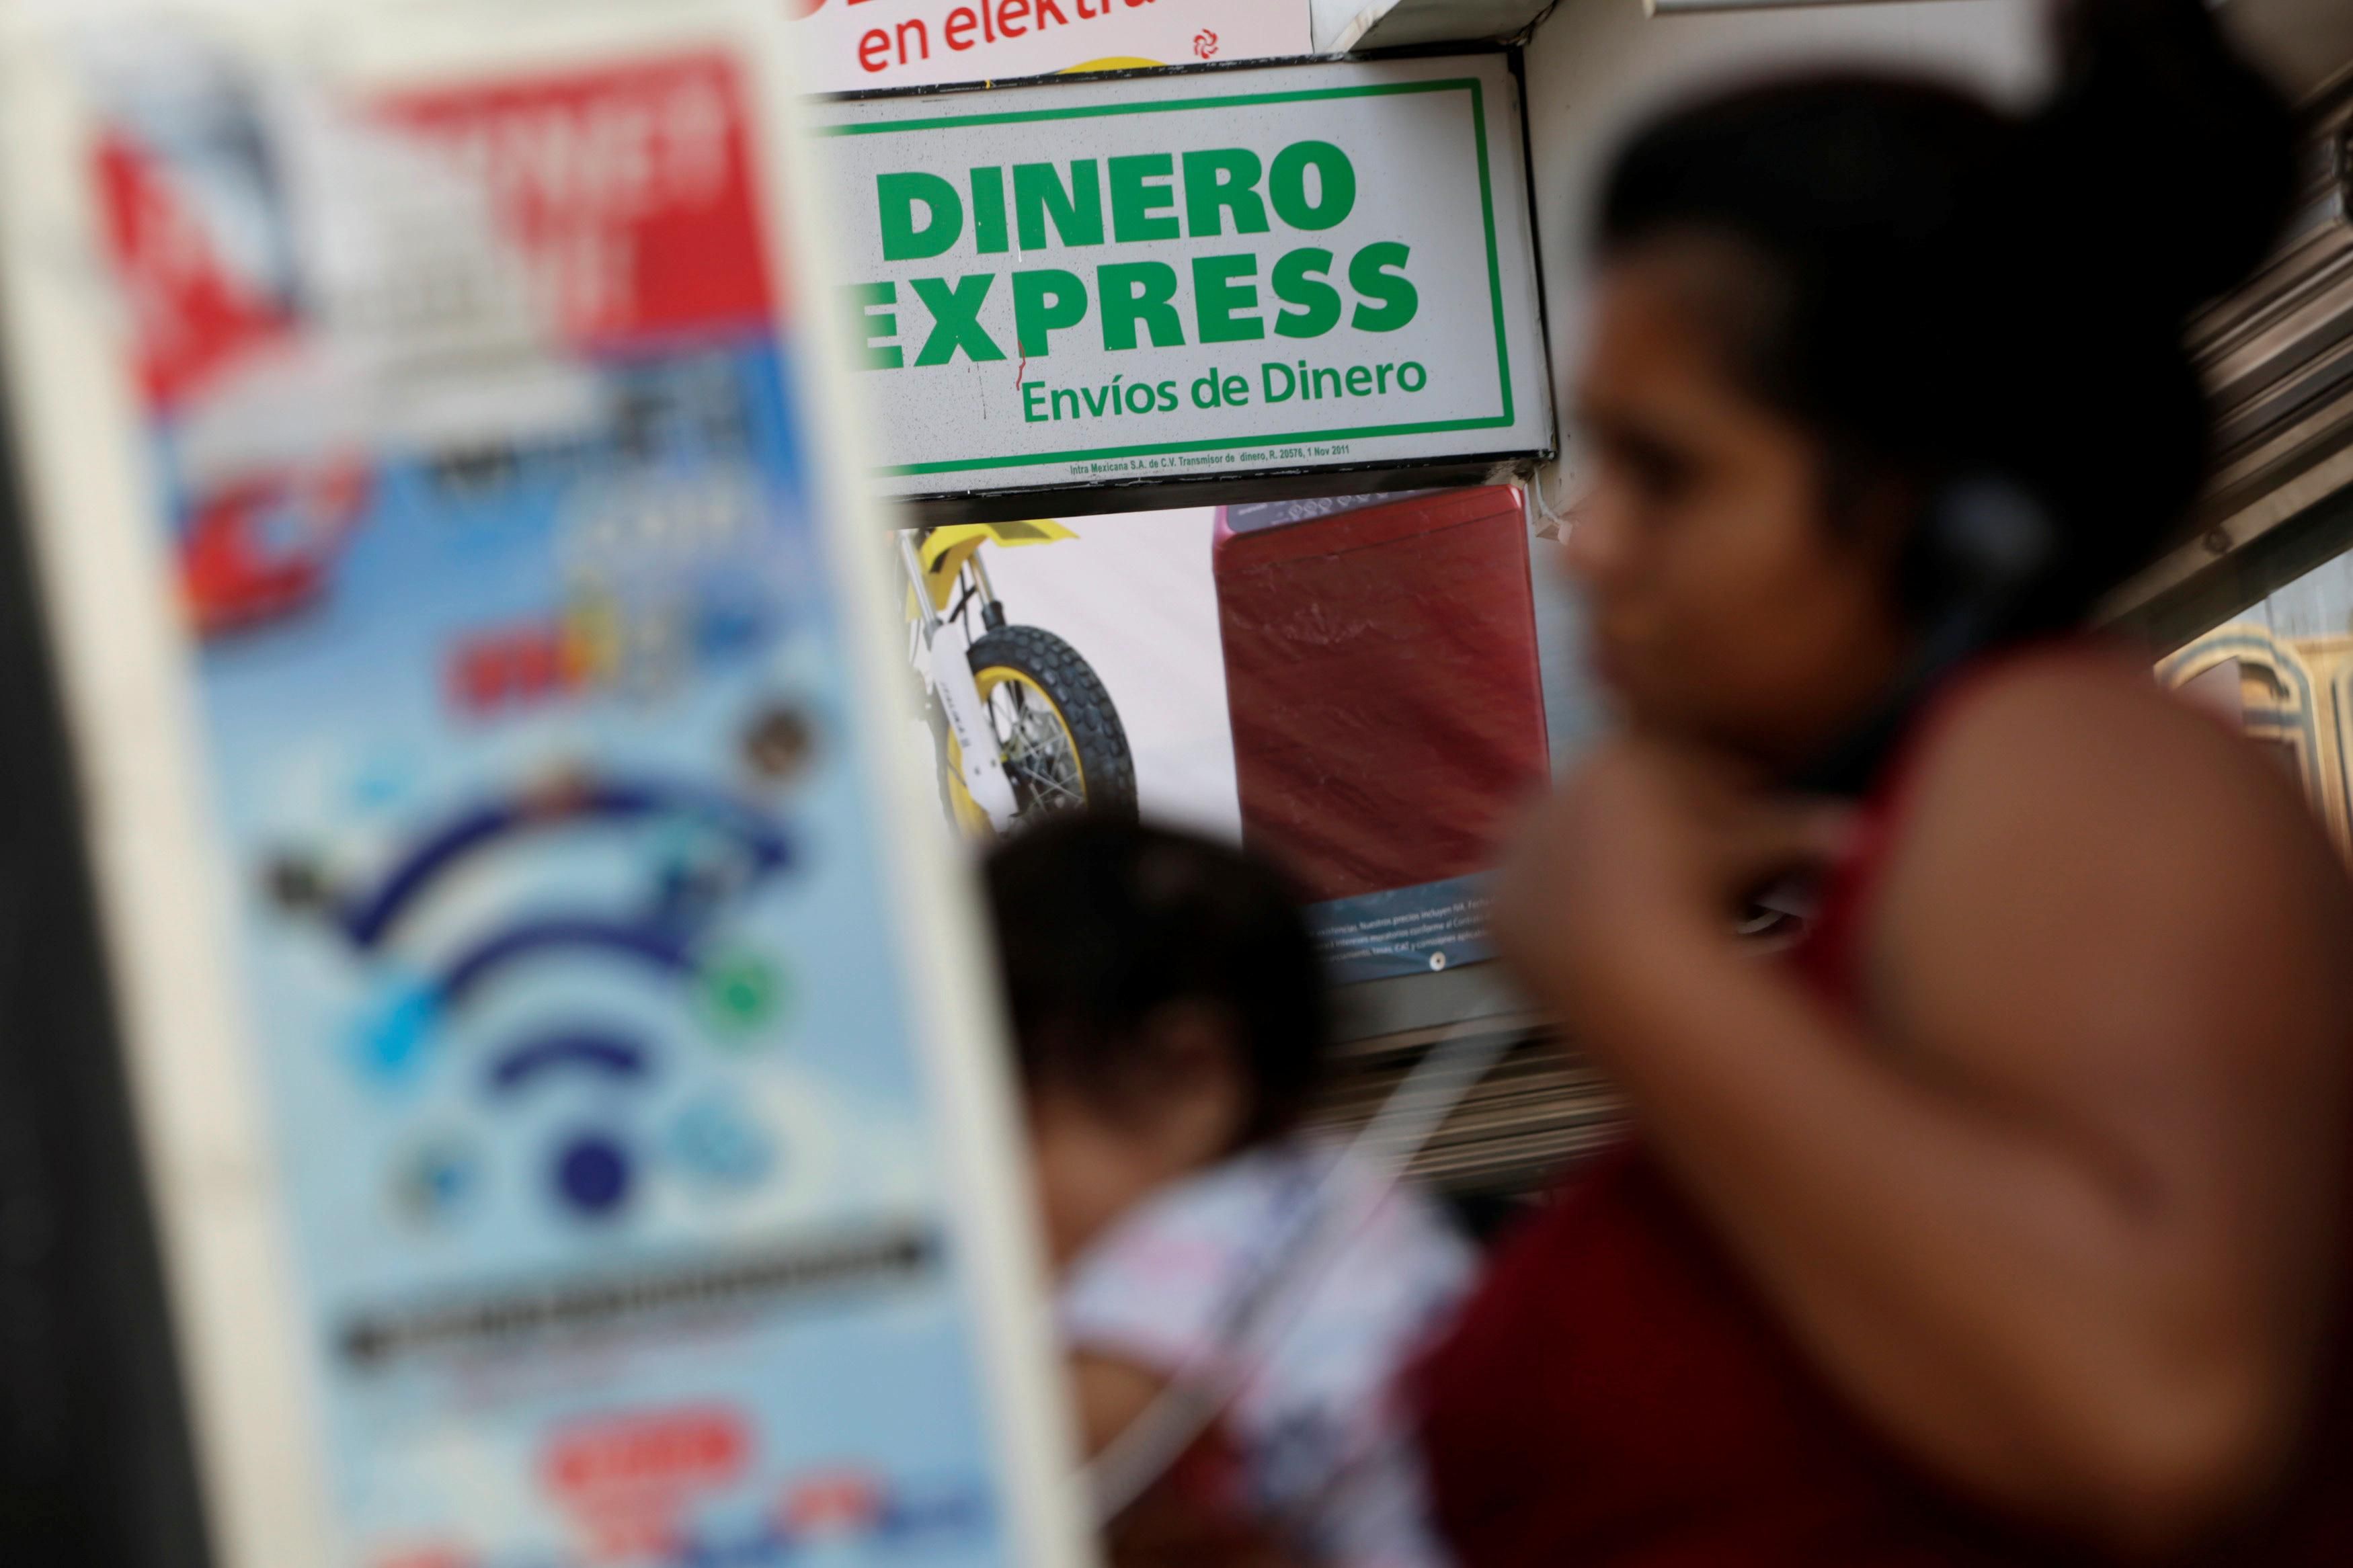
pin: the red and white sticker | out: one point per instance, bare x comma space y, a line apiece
194, 316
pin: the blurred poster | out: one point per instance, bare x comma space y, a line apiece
635, 1216
852, 45
1350, 686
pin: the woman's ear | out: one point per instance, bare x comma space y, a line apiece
1199, 1086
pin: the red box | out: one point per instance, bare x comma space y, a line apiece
1384, 687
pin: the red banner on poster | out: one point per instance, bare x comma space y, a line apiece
628, 192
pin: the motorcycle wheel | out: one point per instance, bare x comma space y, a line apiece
1064, 745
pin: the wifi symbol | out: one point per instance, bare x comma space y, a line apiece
593, 1171
722, 851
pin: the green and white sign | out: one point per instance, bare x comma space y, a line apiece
1194, 277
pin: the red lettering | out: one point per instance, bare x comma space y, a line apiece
874, 49
1006, 10
922, 39
1049, 8
638, 1456
506, 669
960, 20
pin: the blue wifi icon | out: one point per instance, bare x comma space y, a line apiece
712, 852
593, 1171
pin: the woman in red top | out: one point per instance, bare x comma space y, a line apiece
2005, 1224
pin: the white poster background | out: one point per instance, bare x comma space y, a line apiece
850, 45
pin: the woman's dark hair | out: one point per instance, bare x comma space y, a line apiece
1101, 923
1957, 293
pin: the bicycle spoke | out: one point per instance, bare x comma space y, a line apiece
1037, 753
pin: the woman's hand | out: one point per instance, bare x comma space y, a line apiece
1648, 842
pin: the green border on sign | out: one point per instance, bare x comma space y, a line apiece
1169, 449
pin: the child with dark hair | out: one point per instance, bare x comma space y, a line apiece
1170, 1016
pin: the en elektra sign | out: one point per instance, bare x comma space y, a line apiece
860, 46
1161, 280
